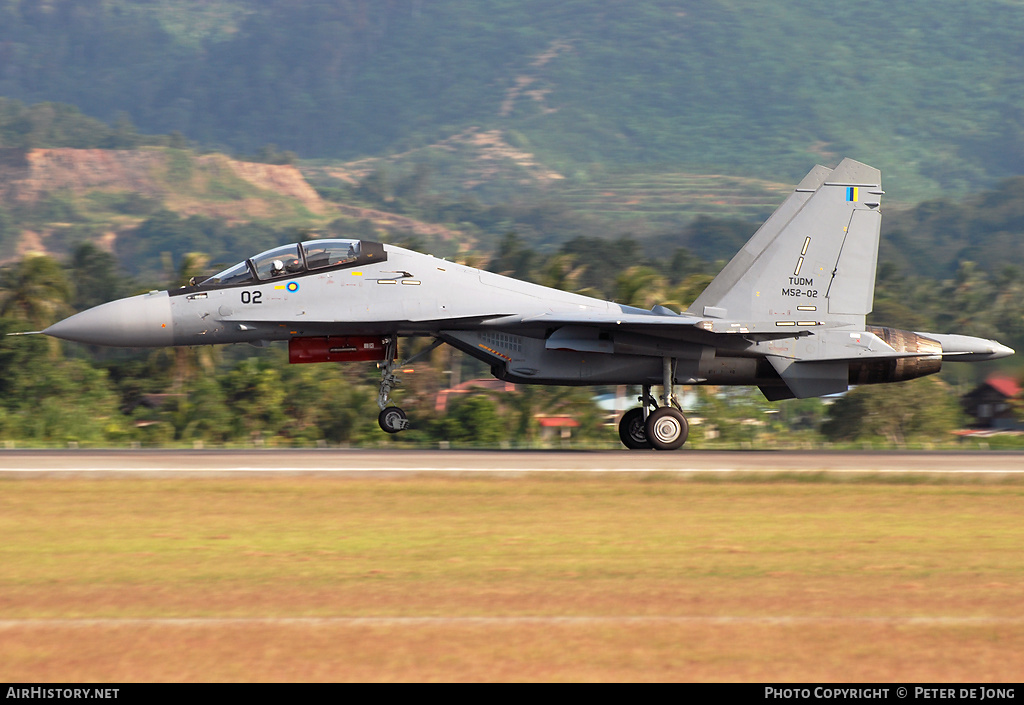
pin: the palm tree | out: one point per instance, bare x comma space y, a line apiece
188, 361
561, 272
640, 286
35, 290
685, 292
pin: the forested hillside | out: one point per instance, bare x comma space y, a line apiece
930, 91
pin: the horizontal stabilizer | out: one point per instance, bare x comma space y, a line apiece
776, 393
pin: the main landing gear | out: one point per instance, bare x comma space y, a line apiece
651, 426
391, 418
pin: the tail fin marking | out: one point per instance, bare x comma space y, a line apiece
817, 252
851, 290
707, 303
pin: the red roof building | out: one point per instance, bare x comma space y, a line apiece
490, 385
989, 404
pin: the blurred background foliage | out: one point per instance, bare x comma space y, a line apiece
623, 151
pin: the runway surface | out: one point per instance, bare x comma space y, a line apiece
191, 463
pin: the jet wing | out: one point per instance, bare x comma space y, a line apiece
280, 329
663, 322
605, 319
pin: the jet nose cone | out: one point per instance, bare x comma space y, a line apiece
135, 322
999, 350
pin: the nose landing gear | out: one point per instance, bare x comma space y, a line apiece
391, 418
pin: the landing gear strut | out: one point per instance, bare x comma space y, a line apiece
651, 426
391, 418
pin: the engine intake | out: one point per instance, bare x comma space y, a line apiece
900, 368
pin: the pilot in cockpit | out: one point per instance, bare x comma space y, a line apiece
278, 268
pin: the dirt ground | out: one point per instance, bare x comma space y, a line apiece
538, 579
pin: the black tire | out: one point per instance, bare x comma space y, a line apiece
667, 428
632, 432
391, 419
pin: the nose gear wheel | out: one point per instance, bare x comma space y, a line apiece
392, 419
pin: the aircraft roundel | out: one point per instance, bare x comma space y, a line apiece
293, 286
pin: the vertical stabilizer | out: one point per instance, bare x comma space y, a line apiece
813, 259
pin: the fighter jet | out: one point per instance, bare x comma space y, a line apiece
787, 314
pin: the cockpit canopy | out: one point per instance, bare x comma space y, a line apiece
298, 259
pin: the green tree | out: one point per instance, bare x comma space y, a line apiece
270, 154
97, 276
687, 291
918, 409
124, 135
969, 298
738, 414
1008, 311
35, 290
346, 413
188, 361
473, 420
375, 188
201, 414
684, 264
640, 286
7, 227
602, 260
19, 356
62, 402
531, 400
561, 272
255, 391
513, 258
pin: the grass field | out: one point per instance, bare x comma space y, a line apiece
532, 578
